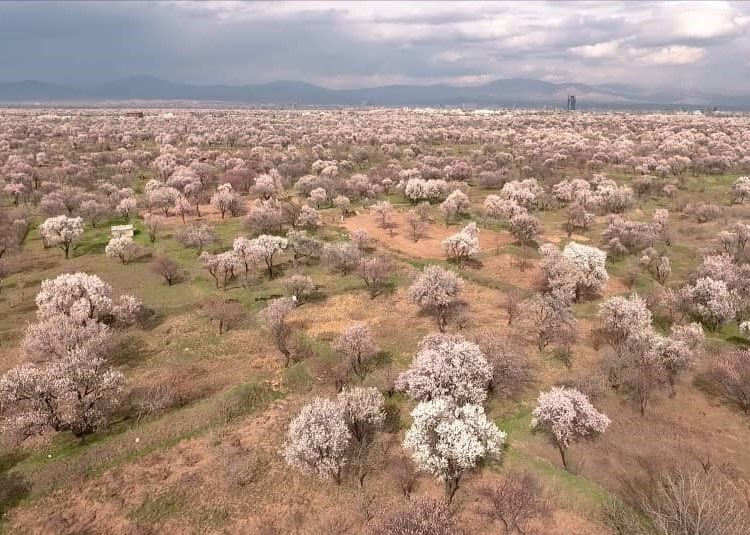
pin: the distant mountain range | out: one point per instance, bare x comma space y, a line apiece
513, 92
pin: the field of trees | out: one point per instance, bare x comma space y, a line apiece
370, 321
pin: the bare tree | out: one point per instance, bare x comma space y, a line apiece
511, 369
516, 502
358, 347
416, 223
167, 268
680, 500
375, 271
274, 318
731, 374
153, 223
512, 304
422, 517
406, 475
227, 313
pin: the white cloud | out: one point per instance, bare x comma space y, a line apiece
603, 50
672, 55
449, 56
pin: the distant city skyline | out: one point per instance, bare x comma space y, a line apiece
692, 45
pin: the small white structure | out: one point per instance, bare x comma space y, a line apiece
122, 230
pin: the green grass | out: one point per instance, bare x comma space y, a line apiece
572, 490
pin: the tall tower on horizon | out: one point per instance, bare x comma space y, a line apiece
571, 102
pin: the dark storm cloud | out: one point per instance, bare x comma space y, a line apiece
367, 43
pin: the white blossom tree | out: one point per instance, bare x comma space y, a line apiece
299, 287
318, 439
78, 295
577, 270
197, 234
153, 223
447, 440
568, 416
226, 200
62, 231
222, 266
266, 247
122, 248
712, 302
741, 189
454, 206
463, 245
621, 317
57, 335
363, 410
447, 366
76, 393
126, 207
525, 227
436, 291
308, 218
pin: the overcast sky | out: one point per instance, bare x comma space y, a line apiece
697, 45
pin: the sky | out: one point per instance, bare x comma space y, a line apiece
691, 45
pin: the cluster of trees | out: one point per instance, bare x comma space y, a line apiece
280, 171
66, 382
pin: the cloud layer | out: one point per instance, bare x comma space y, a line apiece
696, 45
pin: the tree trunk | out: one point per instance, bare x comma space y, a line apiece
451, 487
563, 454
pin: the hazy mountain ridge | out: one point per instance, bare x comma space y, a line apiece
503, 92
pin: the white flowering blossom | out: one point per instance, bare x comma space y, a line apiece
712, 302
432, 190
463, 244
620, 317
76, 393
455, 205
525, 193
122, 248
575, 270
265, 247
741, 189
127, 310
447, 366
357, 345
57, 335
62, 231
447, 440
126, 207
498, 208
318, 439
78, 295
363, 410
225, 200
591, 263
436, 291
222, 266
308, 217
568, 416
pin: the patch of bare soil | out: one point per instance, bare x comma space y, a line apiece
429, 246
558, 236
615, 286
504, 268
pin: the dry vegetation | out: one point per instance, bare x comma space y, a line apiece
374, 321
